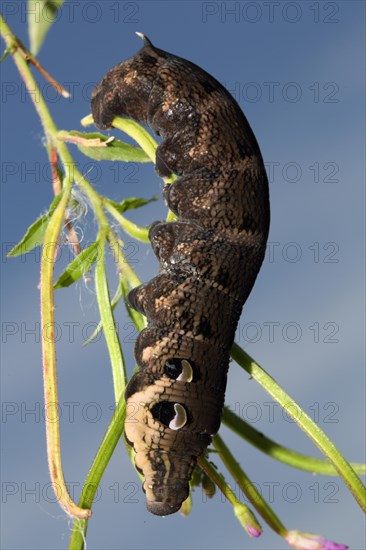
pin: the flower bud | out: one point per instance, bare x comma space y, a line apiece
307, 541
248, 520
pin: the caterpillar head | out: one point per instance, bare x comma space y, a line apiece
125, 89
155, 426
170, 417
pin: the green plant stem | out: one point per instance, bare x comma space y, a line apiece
101, 460
248, 488
12, 44
49, 253
279, 452
317, 435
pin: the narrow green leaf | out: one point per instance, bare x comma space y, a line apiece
116, 298
131, 203
131, 228
79, 265
137, 318
279, 452
35, 233
96, 331
304, 421
41, 14
114, 150
109, 327
139, 134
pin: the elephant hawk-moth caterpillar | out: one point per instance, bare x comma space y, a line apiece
209, 259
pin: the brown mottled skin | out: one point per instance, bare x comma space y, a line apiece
209, 259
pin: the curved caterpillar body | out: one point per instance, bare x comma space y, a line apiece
209, 260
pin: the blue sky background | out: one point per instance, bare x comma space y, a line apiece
297, 69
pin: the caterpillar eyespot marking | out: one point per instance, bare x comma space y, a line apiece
209, 259
179, 369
